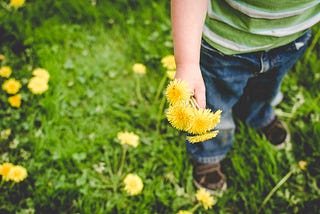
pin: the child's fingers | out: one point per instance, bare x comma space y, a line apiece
200, 96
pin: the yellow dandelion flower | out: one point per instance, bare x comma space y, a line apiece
128, 138
11, 86
184, 212
216, 118
5, 169
179, 116
205, 199
302, 164
171, 74
38, 85
2, 57
203, 120
17, 3
178, 91
5, 71
15, 101
17, 173
133, 184
169, 62
139, 68
41, 73
5, 134
202, 137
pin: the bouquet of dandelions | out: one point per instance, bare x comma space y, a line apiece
184, 114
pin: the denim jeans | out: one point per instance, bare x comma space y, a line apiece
243, 85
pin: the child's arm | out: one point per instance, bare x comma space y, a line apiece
187, 22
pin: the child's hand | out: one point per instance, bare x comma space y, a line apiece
192, 75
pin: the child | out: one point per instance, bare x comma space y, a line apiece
234, 55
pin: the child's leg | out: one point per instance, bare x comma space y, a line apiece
255, 106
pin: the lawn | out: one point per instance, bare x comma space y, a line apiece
67, 138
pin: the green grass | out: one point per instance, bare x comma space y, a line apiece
92, 97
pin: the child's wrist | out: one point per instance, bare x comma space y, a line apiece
188, 66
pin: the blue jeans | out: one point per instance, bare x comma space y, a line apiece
243, 85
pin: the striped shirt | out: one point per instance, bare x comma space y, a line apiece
241, 26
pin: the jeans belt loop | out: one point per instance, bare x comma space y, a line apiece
261, 63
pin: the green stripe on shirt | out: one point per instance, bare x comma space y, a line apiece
276, 6
223, 39
231, 31
227, 14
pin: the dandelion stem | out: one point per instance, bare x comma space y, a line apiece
275, 188
123, 157
194, 103
161, 109
160, 88
11, 185
138, 90
195, 207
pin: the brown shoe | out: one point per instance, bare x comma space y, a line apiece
277, 133
209, 177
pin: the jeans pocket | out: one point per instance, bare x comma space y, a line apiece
290, 52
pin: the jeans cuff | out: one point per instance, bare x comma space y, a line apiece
212, 159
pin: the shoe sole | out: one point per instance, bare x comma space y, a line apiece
286, 141
218, 192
